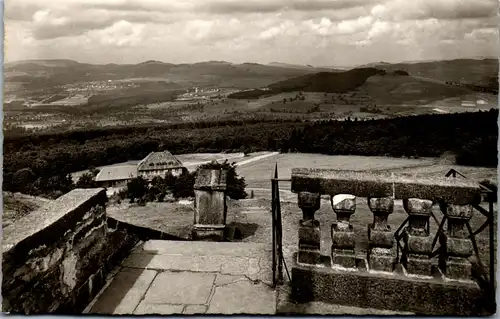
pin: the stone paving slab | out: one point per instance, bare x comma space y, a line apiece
188, 248
125, 292
175, 277
243, 297
194, 310
174, 262
160, 309
192, 288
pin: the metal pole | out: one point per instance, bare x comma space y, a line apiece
279, 227
273, 230
492, 249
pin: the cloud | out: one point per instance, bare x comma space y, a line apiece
47, 24
399, 10
302, 31
237, 6
121, 33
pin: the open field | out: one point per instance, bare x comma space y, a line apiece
16, 205
257, 174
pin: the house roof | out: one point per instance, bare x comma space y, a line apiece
117, 172
159, 160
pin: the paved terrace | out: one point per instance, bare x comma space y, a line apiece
182, 277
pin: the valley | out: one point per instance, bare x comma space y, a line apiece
44, 95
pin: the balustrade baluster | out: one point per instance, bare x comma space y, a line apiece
343, 236
457, 246
309, 229
381, 253
418, 243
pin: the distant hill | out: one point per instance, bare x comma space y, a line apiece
366, 86
301, 67
279, 77
468, 71
395, 88
331, 82
47, 73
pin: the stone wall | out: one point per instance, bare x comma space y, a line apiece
56, 259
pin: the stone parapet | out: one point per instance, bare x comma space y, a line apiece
375, 184
55, 259
422, 296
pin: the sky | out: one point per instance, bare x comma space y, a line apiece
315, 32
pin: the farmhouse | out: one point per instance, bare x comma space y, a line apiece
159, 164
116, 176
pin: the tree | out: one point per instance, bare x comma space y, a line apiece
136, 188
94, 171
184, 185
22, 178
86, 181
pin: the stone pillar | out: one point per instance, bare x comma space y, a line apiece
309, 231
418, 243
343, 238
381, 254
456, 244
210, 204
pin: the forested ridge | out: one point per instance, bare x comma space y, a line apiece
40, 164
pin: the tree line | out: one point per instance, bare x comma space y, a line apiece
41, 164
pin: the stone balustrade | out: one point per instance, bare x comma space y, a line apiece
415, 266
381, 189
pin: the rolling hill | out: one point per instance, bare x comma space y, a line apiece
48, 73
364, 86
394, 89
330, 82
483, 72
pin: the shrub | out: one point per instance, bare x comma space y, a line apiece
136, 188
184, 185
22, 177
401, 72
86, 181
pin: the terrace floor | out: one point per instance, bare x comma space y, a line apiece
186, 277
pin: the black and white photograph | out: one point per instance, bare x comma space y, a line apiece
250, 157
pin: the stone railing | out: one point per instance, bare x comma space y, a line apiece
56, 259
414, 282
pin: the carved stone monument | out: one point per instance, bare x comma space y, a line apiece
210, 205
